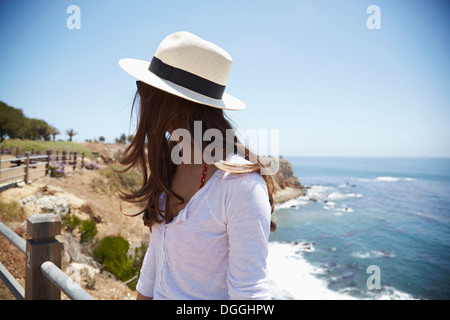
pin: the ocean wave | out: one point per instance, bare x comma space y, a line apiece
344, 209
393, 179
390, 293
318, 192
384, 293
339, 196
293, 203
432, 217
291, 277
338, 211
323, 194
313, 194
372, 254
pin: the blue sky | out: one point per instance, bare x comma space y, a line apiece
310, 68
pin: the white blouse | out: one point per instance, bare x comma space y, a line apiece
216, 247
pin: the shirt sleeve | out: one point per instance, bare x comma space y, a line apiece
248, 226
146, 283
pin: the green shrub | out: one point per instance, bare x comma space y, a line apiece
112, 252
88, 230
71, 222
139, 254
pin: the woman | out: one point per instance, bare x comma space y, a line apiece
209, 216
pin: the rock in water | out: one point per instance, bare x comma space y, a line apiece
287, 185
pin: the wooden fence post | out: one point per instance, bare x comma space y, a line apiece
42, 247
27, 167
48, 161
74, 160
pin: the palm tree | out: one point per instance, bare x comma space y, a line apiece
54, 132
71, 133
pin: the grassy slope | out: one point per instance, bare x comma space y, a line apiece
43, 146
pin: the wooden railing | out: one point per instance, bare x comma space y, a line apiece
22, 166
44, 279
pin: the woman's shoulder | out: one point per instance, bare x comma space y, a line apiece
235, 158
235, 179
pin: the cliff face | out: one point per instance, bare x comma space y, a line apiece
287, 185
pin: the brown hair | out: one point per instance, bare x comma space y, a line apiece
151, 148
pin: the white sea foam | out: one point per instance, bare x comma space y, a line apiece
317, 193
331, 205
432, 217
393, 179
390, 179
372, 254
344, 209
390, 293
339, 210
339, 196
323, 193
291, 277
293, 203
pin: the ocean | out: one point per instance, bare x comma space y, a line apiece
367, 228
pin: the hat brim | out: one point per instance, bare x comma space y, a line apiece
139, 70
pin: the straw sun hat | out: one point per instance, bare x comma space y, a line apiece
189, 67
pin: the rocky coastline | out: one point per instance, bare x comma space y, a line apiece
287, 184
